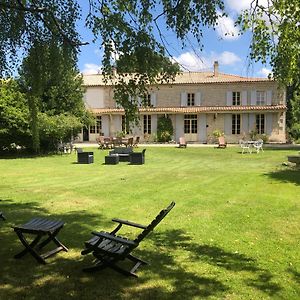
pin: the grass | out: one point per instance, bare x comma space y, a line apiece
233, 234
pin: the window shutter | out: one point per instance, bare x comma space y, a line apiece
228, 124
229, 98
269, 123
183, 99
269, 97
244, 98
253, 97
153, 99
198, 99
245, 123
252, 124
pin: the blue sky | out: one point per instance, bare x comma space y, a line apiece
223, 44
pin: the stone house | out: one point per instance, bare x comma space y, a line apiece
198, 103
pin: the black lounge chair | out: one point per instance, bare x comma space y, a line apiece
109, 248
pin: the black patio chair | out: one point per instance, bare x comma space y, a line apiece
109, 248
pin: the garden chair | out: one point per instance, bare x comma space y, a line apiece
136, 142
100, 141
109, 248
182, 142
258, 145
222, 142
245, 146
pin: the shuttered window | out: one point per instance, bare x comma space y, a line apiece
236, 124
260, 123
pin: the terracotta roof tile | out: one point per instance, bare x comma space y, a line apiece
195, 109
185, 78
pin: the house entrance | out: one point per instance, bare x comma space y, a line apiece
190, 128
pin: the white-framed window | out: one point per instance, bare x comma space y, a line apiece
260, 123
147, 124
236, 98
97, 127
191, 99
260, 98
236, 124
190, 124
125, 125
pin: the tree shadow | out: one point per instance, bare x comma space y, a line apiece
290, 175
295, 274
62, 276
211, 254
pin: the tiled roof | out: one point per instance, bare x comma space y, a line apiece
185, 78
195, 109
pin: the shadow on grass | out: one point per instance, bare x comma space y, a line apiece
62, 276
295, 274
290, 175
233, 262
165, 278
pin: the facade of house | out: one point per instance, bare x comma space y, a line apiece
198, 103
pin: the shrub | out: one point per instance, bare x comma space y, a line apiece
57, 129
164, 129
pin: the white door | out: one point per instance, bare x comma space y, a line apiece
190, 128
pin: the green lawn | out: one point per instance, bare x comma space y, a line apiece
233, 234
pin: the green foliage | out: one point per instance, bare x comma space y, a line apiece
164, 129
56, 129
14, 116
23, 23
54, 88
217, 133
276, 37
129, 30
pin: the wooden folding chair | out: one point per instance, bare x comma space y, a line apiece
109, 248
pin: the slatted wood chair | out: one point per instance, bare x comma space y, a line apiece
109, 248
182, 142
222, 143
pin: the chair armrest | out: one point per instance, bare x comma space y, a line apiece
117, 239
129, 223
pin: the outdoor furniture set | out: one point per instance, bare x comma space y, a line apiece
122, 154
107, 247
113, 142
251, 145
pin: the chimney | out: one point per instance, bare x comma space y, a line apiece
114, 71
216, 68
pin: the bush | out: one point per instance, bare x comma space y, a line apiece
295, 131
164, 129
57, 129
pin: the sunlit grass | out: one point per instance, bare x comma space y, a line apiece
233, 234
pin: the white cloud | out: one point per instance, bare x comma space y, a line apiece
192, 62
91, 69
226, 29
239, 5
228, 58
264, 72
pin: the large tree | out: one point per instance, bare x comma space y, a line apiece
276, 37
130, 33
53, 86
